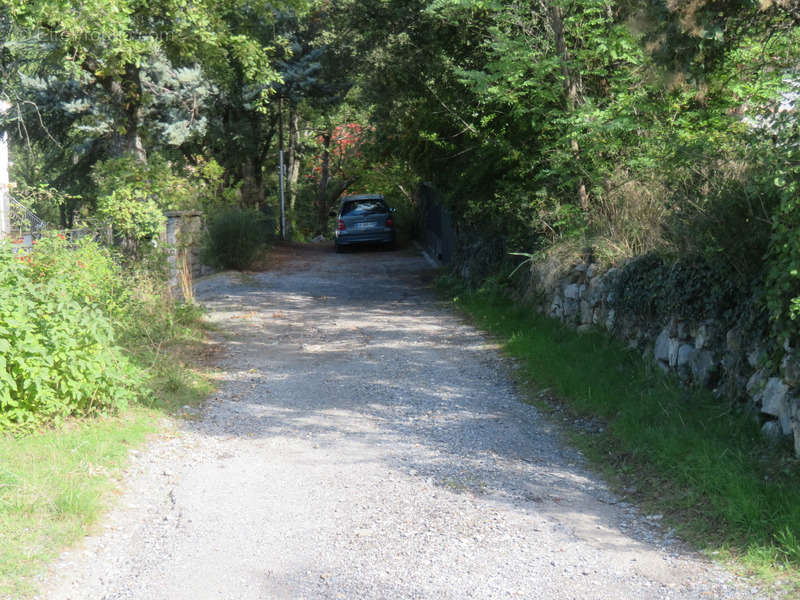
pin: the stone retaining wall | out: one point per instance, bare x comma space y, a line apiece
699, 353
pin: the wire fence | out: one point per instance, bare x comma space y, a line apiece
25, 227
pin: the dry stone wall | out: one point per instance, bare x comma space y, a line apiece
700, 353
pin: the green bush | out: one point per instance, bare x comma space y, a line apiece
650, 286
724, 214
95, 279
132, 195
782, 281
58, 355
235, 236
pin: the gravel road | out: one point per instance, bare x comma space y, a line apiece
366, 443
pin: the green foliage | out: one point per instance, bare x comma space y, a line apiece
783, 257
95, 279
207, 190
724, 213
107, 37
56, 482
664, 128
783, 276
523, 123
58, 354
129, 196
44, 200
133, 195
651, 286
235, 237
53, 485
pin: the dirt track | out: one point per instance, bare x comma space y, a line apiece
367, 443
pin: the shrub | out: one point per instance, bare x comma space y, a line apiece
235, 236
129, 196
95, 280
57, 349
782, 279
695, 289
132, 195
723, 212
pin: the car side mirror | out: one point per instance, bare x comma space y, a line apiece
392, 210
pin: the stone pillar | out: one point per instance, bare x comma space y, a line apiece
184, 239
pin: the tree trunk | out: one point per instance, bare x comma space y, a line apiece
293, 162
261, 157
572, 85
321, 201
252, 190
126, 97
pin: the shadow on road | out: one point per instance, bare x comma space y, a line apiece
357, 349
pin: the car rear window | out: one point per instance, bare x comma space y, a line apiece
363, 207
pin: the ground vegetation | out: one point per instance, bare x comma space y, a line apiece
663, 135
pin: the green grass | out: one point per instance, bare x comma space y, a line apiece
55, 483
696, 459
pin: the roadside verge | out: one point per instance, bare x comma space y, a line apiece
677, 452
57, 482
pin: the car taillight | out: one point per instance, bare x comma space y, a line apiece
389, 222
341, 226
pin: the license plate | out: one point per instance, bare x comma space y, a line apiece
365, 225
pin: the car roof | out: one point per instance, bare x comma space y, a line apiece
362, 197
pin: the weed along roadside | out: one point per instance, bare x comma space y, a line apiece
94, 356
680, 453
56, 482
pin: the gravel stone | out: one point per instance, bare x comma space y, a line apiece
367, 443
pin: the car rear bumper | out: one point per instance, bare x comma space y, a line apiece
345, 238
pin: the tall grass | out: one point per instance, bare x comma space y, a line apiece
628, 220
693, 457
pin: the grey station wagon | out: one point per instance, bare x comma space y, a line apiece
362, 219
